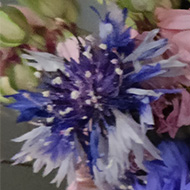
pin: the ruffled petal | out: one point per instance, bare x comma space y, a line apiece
47, 149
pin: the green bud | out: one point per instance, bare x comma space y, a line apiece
53, 9
6, 89
148, 5
126, 4
24, 77
143, 5
72, 11
5, 100
14, 28
138, 5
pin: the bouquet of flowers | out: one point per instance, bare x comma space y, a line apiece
111, 110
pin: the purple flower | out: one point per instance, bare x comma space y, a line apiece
93, 110
170, 173
173, 172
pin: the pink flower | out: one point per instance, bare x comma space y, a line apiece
175, 25
184, 112
69, 49
31, 17
83, 180
172, 112
82, 186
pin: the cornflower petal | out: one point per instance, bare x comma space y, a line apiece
94, 110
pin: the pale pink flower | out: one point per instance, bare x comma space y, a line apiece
184, 112
175, 26
83, 180
69, 49
133, 33
31, 17
82, 186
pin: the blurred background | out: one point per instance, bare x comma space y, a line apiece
21, 177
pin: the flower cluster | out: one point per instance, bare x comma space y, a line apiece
94, 110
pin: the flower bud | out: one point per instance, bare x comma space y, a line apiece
72, 11
14, 28
52, 9
21, 76
138, 5
24, 77
5, 89
143, 5
147, 5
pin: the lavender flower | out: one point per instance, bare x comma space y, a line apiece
94, 110
173, 172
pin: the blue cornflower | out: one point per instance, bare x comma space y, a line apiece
86, 108
173, 172
113, 31
170, 173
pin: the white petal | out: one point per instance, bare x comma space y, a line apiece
150, 36
115, 12
37, 166
49, 167
146, 116
171, 62
18, 155
62, 171
32, 134
147, 44
35, 142
44, 61
100, 177
71, 176
105, 30
172, 65
135, 133
143, 92
127, 136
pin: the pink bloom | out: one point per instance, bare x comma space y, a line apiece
172, 112
175, 25
184, 112
31, 17
82, 186
133, 33
166, 82
69, 49
83, 180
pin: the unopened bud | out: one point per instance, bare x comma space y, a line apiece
14, 28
